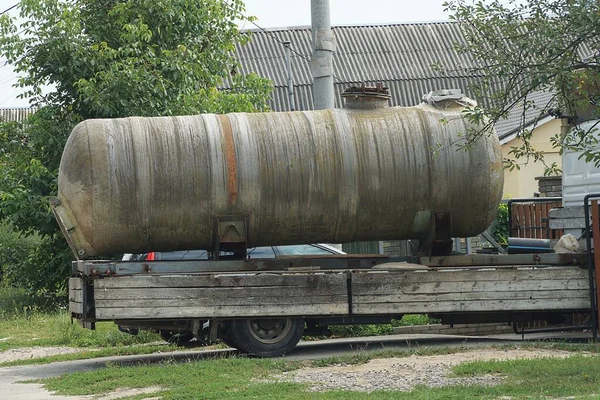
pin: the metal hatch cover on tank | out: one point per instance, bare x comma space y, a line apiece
144, 184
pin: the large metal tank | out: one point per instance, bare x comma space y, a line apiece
340, 175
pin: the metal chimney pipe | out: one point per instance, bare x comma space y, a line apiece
321, 63
290, 79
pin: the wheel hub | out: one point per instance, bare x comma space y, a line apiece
269, 330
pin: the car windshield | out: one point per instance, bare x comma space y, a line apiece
303, 249
264, 252
261, 252
184, 255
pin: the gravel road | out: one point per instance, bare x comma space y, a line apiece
406, 373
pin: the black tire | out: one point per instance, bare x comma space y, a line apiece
266, 337
225, 335
183, 339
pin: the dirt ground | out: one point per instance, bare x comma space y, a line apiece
34, 352
405, 373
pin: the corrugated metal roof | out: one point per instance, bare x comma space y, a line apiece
519, 118
400, 56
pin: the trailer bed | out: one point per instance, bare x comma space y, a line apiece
307, 289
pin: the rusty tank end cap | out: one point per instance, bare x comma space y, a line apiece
448, 98
367, 97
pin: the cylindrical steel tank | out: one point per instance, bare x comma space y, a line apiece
340, 175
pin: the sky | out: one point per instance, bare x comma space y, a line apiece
277, 14
281, 13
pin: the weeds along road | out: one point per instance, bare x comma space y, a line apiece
9, 376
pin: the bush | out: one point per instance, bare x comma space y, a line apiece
15, 252
34, 265
415, 320
381, 329
362, 330
15, 302
500, 230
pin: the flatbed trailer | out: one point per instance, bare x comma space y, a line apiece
263, 306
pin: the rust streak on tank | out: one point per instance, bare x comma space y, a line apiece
232, 184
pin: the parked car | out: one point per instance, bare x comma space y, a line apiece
253, 253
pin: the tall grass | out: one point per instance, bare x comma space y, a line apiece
14, 302
24, 323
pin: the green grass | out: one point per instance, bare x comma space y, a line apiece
578, 375
56, 329
362, 357
241, 378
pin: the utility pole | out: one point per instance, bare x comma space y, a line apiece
290, 79
321, 63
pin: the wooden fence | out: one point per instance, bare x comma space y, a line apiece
528, 218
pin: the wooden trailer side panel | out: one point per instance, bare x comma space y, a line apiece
373, 292
221, 296
442, 291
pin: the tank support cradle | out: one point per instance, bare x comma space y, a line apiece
231, 233
438, 241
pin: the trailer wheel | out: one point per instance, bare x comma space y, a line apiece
266, 337
177, 338
225, 335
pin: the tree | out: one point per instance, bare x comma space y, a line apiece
532, 46
107, 59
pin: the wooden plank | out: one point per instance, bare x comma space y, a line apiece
548, 234
76, 283
515, 220
534, 222
223, 301
284, 263
472, 306
489, 260
76, 296
539, 215
195, 293
76, 308
527, 213
221, 312
340, 309
314, 280
545, 212
469, 296
476, 267
237, 311
519, 219
466, 287
386, 277
333, 282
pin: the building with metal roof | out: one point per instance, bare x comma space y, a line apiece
401, 56
404, 58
